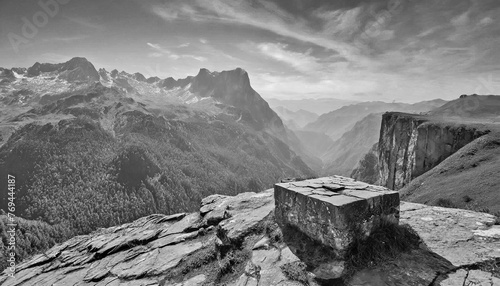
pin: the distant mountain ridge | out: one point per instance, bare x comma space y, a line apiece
295, 120
314, 105
337, 122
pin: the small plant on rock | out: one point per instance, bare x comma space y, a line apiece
295, 271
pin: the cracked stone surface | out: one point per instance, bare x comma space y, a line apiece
333, 211
461, 236
331, 208
148, 250
471, 278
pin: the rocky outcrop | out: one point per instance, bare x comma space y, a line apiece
410, 145
330, 214
234, 241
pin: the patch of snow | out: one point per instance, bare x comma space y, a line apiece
18, 75
193, 100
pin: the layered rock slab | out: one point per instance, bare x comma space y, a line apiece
149, 251
329, 214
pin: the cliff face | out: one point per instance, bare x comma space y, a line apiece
411, 145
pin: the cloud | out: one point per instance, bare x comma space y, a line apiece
340, 22
303, 62
486, 21
265, 16
300, 86
158, 48
429, 31
365, 48
460, 20
159, 52
66, 39
155, 55
85, 22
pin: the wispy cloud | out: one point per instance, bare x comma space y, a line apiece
340, 22
265, 16
303, 62
159, 51
85, 22
486, 21
66, 39
461, 20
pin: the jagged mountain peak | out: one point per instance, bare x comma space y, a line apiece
153, 79
78, 61
76, 69
228, 80
239, 75
204, 72
139, 77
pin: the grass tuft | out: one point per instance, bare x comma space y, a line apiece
231, 260
445, 203
295, 271
385, 243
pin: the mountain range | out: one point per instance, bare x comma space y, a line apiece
93, 149
312, 105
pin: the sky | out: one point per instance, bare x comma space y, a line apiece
389, 50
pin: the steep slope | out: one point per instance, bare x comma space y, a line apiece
470, 178
95, 154
235, 241
295, 120
343, 155
485, 108
337, 122
367, 169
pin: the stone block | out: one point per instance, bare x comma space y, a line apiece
332, 212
